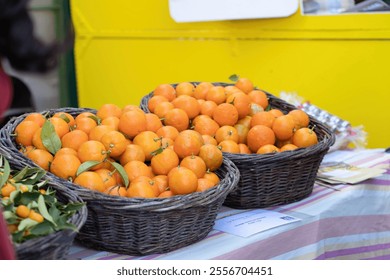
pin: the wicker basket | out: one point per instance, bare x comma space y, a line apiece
136, 226
54, 246
275, 179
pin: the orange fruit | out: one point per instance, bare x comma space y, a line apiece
242, 132
258, 136
60, 125
35, 216
92, 150
208, 139
212, 156
166, 90
196, 164
114, 142
283, 127
107, 176
165, 194
37, 139
84, 115
65, 166
244, 84
116, 191
137, 168
41, 157
132, 152
85, 124
276, 112
131, 107
25, 131
162, 109
25, 150
68, 118
160, 184
112, 122
204, 184
182, 180
262, 118
153, 122
109, 110
225, 114
205, 125
187, 143
255, 108
22, 211
259, 97
226, 132
164, 161
74, 139
177, 118
189, 104
132, 123
141, 190
230, 89
304, 137
207, 108
90, 180
97, 132
288, 147
244, 149
242, 103
229, 146
154, 100
167, 131
246, 121
38, 118
266, 149
216, 94
212, 176
184, 88
66, 151
201, 90
7, 189
149, 142
300, 117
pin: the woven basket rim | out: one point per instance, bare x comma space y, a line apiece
226, 185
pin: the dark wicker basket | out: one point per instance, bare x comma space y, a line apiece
136, 226
275, 179
54, 246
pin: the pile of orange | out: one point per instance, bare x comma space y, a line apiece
238, 118
121, 151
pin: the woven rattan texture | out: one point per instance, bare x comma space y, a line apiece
275, 179
136, 226
54, 246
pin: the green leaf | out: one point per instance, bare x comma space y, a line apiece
9, 215
21, 174
27, 197
86, 166
72, 207
43, 228
96, 119
234, 78
122, 172
64, 117
54, 213
6, 172
43, 209
26, 223
50, 138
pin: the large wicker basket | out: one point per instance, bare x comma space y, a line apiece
275, 179
54, 246
136, 226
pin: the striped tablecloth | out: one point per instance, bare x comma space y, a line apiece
344, 222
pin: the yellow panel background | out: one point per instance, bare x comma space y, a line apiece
340, 63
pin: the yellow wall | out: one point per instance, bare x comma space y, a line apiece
339, 63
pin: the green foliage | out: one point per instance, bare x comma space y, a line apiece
56, 213
50, 138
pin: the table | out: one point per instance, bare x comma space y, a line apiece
343, 222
